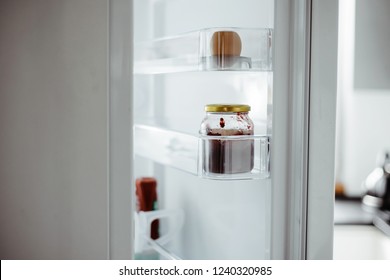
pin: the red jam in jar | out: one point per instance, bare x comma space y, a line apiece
223, 154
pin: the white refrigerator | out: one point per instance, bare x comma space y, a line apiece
163, 71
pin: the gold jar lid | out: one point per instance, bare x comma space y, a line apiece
236, 108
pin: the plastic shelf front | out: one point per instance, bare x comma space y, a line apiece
209, 157
212, 49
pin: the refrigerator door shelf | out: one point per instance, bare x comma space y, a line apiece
211, 49
210, 157
143, 223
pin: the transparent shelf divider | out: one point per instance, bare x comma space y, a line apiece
209, 157
212, 49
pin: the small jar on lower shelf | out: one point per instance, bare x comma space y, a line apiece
225, 149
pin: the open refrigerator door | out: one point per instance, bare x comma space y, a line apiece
220, 129
213, 190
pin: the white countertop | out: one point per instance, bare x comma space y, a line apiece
360, 242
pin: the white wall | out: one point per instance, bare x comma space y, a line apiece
364, 90
53, 129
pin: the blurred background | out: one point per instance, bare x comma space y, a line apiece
363, 130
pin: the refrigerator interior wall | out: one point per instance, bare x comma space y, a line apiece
228, 219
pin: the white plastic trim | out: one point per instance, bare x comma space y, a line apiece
322, 129
120, 132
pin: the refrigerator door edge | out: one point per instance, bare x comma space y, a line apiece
322, 129
120, 121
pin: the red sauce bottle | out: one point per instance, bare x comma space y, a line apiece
146, 191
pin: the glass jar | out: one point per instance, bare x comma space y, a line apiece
226, 150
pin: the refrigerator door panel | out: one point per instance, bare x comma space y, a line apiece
158, 19
224, 219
